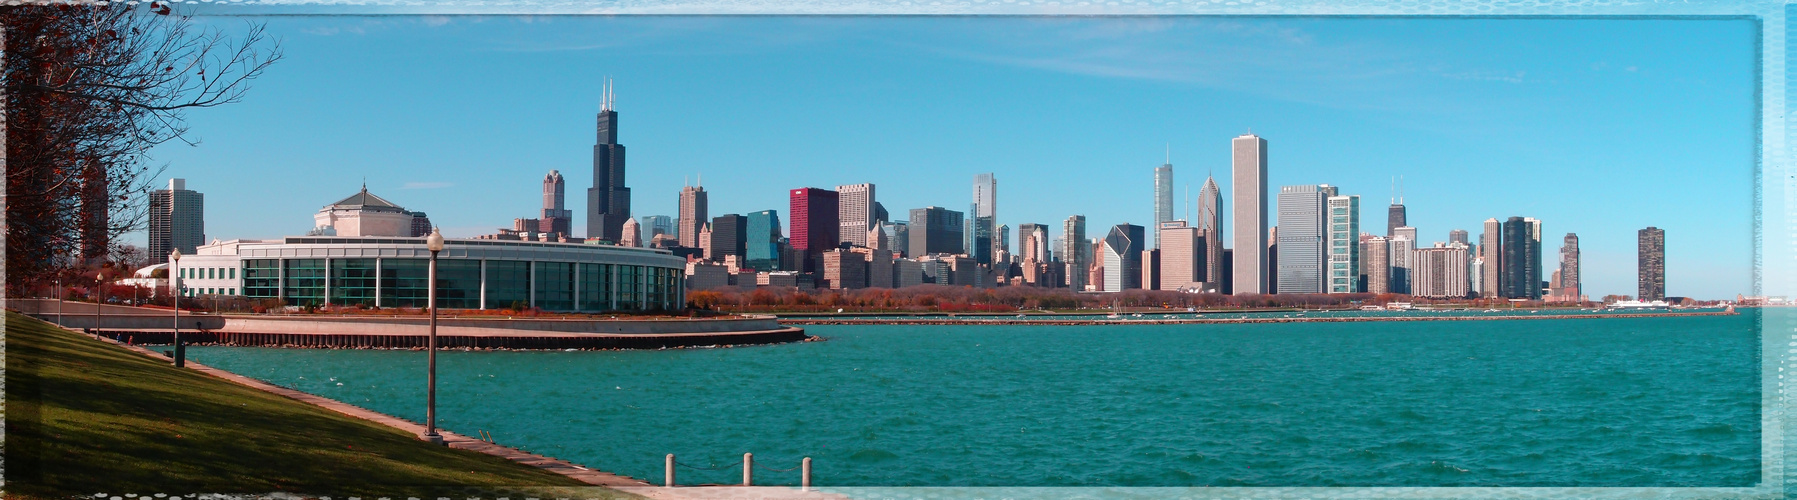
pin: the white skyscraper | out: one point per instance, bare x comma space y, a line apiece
1163, 198
855, 212
1249, 190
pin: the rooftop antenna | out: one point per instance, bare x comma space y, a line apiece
1400, 190
1169, 153
1394, 190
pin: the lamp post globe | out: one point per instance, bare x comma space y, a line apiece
434, 243
174, 292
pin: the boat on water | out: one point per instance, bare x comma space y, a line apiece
1639, 305
1372, 308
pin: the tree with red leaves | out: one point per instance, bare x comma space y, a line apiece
89, 89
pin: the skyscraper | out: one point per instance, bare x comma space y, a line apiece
608, 201
761, 241
1520, 260
1343, 244
1303, 238
1376, 264
556, 218
899, 234
1210, 229
1163, 198
1032, 247
1491, 257
814, 226
1074, 251
633, 233
1181, 256
1403, 266
1459, 236
983, 242
692, 215
935, 230
729, 236
1123, 258
1650, 265
654, 225
1441, 271
855, 212
1567, 287
1395, 217
1249, 188
177, 220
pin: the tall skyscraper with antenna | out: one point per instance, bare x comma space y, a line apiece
608, 201
1395, 216
1163, 196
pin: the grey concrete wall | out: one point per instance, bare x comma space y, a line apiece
81, 315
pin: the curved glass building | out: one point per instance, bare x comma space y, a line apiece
471, 274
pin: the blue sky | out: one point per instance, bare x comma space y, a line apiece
1597, 127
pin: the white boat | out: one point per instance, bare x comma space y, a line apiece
1636, 304
1372, 308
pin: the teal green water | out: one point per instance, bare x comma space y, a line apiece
1586, 402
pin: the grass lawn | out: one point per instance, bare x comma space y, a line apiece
86, 417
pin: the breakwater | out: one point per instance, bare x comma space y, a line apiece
1102, 320
154, 326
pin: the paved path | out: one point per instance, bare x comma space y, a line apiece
558, 466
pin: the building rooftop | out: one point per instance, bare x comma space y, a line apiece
364, 199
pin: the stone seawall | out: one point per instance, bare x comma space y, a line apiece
155, 326
1184, 321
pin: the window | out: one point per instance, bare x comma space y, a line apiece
595, 287
233, 273
352, 281
262, 278
305, 281
508, 284
405, 282
554, 285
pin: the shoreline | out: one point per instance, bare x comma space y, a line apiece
1103, 320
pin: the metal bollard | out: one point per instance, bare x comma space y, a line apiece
670, 482
748, 469
805, 474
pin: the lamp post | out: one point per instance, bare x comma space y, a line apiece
99, 279
59, 301
435, 244
174, 291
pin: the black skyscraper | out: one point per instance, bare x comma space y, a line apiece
728, 236
608, 201
1521, 272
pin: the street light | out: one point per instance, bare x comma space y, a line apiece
435, 244
174, 291
99, 279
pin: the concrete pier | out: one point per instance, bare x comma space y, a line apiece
137, 325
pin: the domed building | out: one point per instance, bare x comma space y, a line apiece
364, 214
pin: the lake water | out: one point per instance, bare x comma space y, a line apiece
1578, 402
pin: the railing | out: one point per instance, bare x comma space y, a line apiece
749, 465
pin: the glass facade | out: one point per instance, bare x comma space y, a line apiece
353, 281
405, 282
554, 286
508, 284
630, 287
402, 282
304, 282
595, 287
458, 284
262, 278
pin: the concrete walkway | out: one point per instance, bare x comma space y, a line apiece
453, 440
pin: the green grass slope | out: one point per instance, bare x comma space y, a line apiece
86, 417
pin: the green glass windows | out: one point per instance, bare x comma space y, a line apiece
352, 281
305, 281
554, 286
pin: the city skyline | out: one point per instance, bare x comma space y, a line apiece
1115, 171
